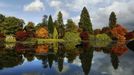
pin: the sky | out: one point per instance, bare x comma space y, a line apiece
99, 10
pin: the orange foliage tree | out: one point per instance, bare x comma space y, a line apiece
119, 48
119, 32
42, 49
42, 32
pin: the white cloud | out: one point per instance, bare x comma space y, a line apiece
122, 10
55, 4
36, 5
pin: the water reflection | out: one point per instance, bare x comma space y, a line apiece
56, 56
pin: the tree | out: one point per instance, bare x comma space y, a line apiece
45, 21
60, 19
21, 35
50, 25
71, 26
30, 29
55, 33
2, 17
119, 32
112, 20
11, 25
41, 32
61, 30
85, 21
72, 39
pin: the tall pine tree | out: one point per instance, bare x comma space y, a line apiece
50, 25
59, 18
60, 23
112, 20
85, 22
71, 26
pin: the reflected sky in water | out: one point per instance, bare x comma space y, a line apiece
22, 59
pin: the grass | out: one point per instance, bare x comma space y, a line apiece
41, 41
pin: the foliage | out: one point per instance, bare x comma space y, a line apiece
119, 48
44, 21
84, 35
112, 20
2, 37
71, 40
10, 38
60, 19
60, 25
42, 49
71, 26
119, 32
102, 37
21, 35
85, 21
10, 25
55, 34
10, 58
97, 31
129, 35
101, 40
30, 27
50, 25
41, 33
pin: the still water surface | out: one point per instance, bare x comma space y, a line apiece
61, 59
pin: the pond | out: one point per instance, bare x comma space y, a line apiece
63, 59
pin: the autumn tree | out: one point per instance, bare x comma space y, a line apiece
112, 20
71, 26
119, 32
41, 32
21, 35
50, 25
85, 21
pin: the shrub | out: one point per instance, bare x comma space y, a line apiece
71, 40
21, 35
10, 38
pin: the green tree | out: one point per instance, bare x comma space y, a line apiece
61, 30
30, 27
85, 22
11, 24
50, 25
45, 20
112, 20
71, 26
55, 33
60, 19
2, 17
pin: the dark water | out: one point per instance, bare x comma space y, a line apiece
62, 59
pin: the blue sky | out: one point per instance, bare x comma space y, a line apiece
99, 10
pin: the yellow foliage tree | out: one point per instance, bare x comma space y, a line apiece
42, 32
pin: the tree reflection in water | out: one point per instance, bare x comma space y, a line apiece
12, 56
86, 55
9, 58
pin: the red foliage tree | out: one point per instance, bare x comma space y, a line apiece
84, 35
129, 35
119, 32
21, 35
